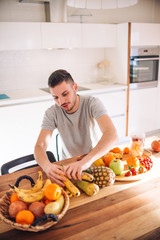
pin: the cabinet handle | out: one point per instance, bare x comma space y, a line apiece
145, 59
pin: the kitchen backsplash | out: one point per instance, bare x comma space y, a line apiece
31, 68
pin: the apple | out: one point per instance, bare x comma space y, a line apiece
117, 166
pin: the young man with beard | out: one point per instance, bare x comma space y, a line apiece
73, 115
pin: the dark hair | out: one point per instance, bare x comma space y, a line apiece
59, 76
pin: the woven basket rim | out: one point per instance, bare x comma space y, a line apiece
4, 203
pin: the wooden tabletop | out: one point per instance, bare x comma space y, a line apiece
125, 210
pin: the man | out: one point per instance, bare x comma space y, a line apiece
73, 115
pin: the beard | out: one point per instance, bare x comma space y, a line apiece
69, 106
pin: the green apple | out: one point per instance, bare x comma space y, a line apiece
117, 166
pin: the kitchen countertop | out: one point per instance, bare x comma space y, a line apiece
124, 210
37, 95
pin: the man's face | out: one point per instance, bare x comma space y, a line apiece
65, 96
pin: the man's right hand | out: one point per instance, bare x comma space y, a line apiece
53, 172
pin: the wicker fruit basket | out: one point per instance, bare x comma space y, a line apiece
4, 215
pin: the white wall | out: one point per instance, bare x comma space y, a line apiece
29, 69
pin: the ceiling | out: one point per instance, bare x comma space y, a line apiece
89, 4
100, 4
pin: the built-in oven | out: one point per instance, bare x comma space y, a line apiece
144, 67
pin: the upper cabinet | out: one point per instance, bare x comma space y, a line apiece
145, 34
61, 35
76, 35
24, 36
20, 36
99, 35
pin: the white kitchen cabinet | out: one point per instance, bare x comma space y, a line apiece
20, 36
19, 127
115, 103
120, 124
145, 34
158, 112
143, 107
24, 35
61, 35
98, 35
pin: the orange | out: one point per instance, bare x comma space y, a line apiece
52, 191
46, 201
132, 161
99, 162
108, 158
14, 198
126, 150
116, 150
24, 217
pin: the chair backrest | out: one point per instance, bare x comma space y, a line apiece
58, 147
29, 158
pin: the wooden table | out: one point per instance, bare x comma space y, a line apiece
125, 210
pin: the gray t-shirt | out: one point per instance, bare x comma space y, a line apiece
76, 129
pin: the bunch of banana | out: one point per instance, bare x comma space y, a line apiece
71, 189
32, 196
38, 185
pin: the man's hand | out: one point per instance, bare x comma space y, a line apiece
74, 170
53, 172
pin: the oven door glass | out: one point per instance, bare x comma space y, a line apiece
144, 69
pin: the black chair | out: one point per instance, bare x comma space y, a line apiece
5, 167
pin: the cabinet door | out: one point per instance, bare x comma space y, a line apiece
144, 34
120, 124
157, 109
19, 127
99, 35
115, 102
61, 35
143, 107
20, 36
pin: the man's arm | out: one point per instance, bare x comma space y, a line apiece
53, 171
108, 139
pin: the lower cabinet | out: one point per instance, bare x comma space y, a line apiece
115, 103
120, 124
143, 109
158, 112
19, 127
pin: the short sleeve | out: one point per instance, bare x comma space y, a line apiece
49, 119
97, 108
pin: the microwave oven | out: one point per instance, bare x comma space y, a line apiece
144, 67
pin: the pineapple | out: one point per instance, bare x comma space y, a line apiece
103, 176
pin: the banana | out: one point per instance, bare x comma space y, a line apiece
48, 181
88, 177
71, 187
69, 193
29, 198
34, 196
38, 185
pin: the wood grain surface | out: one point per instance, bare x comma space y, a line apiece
123, 211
